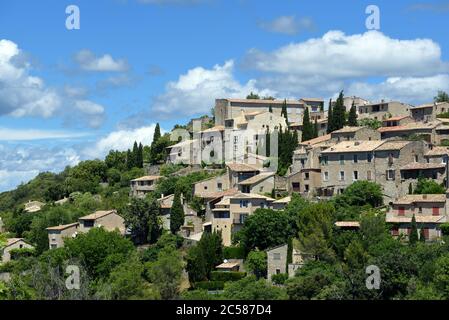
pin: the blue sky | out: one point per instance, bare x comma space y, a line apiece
69, 95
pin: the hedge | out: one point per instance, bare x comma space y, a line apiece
227, 276
209, 285
234, 253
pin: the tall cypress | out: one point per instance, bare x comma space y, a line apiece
284, 111
307, 128
315, 129
413, 237
352, 117
329, 118
140, 156
135, 155
157, 133
338, 113
176, 213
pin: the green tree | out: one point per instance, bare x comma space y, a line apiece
284, 112
352, 118
307, 127
422, 235
413, 237
441, 97
264, 229
157, 133
256, 262
176, 213
330, 121
339, 113
204, 257
371, 123
428, 186
253, 96
166, 273
270, 109
250, 288
361, 193
410, 188
442, 274
141, 216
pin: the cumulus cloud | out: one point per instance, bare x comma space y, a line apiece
288, 25
337, 55
407, 89
88, 61
120, 140
22, 94
195, 91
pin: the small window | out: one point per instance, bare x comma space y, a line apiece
355, 158
369, 157
306, 176
276, 256
390, 175
420, 210
342, 175
326, 176
416, 158
355, 175
306, 188
243, 203
342, 159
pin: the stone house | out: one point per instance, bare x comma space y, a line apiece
140, 187
211, 188
108, 219
12, 244
230, 212
383, 110
56, 235
261, 183
430, 211
277, 261
212, 145
397, 121
33, 206
232, 108
185, 152
238, 172
280, 204
429, 111
355, 133
433, 132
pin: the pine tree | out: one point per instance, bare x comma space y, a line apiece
307, 128
177, 213
284, 111
338, 113
329, 118
352, 118
413, 237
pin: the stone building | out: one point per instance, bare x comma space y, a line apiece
383, 110
429, 111
355, 133
57, 234
12, 244
140, 187
430, 211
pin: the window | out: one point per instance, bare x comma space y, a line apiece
219, 186
401, 211
324, 160
420, 210
390, 174
369, 175
306, 188
355, 175
295, 186
326, 176
435, 211
303, 162
276, 256
342, 175
306, 176
416, 158
221, 215
242, 218
355, 158
205, 187
369, 157
88, 223
243, 203
278, 271
342, 159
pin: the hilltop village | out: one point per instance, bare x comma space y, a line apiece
262, 199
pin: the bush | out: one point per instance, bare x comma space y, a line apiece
279, 278
227, 276
445, 229
234, 252
22, 253
209, 285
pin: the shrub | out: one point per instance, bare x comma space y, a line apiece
279, 278
22, 253
227, 276
234, 252
445, 229
209, 285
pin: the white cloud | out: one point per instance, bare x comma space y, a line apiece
288, 25
11, 179
340, 56
20, 93
408, 89
120, 140
88, 61
195, 92
8, 134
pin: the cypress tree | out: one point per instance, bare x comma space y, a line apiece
307, 128
329, 118
410, 189
413, 237
267, 142
157, 133
338, 113
422, 236
140, 156
135, 155
177, 213
129, 159
284, 111
315, 129
352, 118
